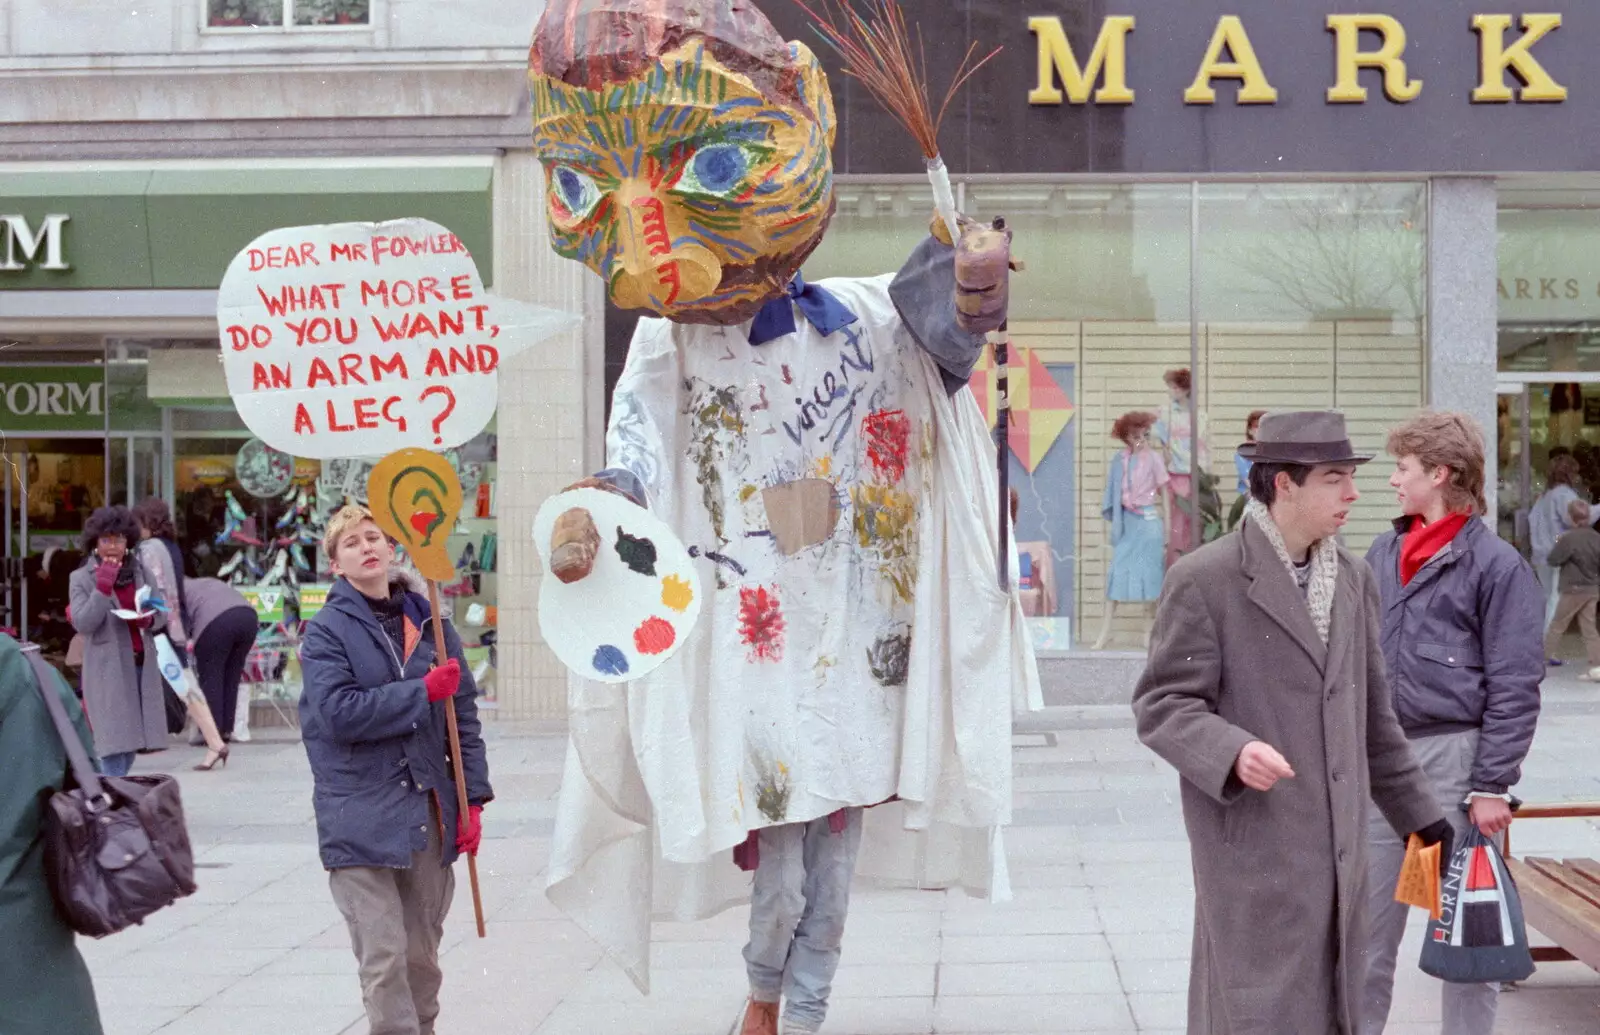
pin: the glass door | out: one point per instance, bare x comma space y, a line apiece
1539, 423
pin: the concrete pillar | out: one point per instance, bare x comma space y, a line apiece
549, 426
1463, 304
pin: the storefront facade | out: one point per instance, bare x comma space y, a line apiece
111, 388
1303, 207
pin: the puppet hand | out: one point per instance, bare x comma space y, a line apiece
574, 543
983, 263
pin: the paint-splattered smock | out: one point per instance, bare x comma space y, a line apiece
853, 645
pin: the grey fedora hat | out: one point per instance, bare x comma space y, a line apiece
1307, 437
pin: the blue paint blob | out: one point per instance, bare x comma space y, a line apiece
610, 661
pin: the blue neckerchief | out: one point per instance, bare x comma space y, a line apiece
817, 304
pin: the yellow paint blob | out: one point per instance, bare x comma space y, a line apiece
676, 593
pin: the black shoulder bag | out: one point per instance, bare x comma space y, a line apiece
115, 848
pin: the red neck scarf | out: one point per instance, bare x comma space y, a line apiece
1423, 540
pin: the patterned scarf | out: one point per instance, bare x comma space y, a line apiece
1324, 567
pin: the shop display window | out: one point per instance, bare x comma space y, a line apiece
280, 14
1247, 296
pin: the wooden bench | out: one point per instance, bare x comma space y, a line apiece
1560, 899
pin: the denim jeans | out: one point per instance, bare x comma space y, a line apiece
117, 764
797, 914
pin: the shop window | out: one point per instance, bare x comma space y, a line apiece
1306, 295
1548, 292
288, 14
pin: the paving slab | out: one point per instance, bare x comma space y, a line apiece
1096, 938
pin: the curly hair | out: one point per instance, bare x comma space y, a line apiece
1251, 421
110, 521
1130, 424
153, 515
1179, 379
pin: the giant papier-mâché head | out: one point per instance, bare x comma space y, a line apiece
686, 150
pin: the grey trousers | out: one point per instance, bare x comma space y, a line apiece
797, 913
396, 918
1468, 1009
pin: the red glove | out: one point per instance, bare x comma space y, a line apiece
105, 577
443, 681
469, 829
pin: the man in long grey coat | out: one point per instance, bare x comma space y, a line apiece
1265, 689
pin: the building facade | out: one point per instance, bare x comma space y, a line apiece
144, 145
1299, 205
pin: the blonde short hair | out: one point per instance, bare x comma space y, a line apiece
1446, 439
344, 519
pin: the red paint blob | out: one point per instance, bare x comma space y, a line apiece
653, 636
761, 623
421, 520
888, 434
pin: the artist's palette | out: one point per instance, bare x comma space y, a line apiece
638, 605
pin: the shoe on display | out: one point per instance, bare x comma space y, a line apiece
232, 565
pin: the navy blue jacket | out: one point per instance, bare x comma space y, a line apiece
1464, 645
379, 752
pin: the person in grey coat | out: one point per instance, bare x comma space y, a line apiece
121, 680
1462, 639
1265, 690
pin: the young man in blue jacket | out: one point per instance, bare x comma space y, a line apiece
374, 729
1463, 644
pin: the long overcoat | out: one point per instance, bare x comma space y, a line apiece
1235, 657
44, 985
126, 712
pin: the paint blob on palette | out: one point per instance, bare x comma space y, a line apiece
635, 609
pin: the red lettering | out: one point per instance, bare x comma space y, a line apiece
302, 420
478, 311
339, 330
240, 338
461, 287
420, 323
389, 404
429, 286
270, 375
366, 413
451, 323
320, 372
348, 252
391, 331
368, 292
333, 420
463, 361
396, 364
488, 359
308, 255
258, 259
436, 365
350, 369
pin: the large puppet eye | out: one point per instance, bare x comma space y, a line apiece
717, 169
574, 192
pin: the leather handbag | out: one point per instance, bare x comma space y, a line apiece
115, 848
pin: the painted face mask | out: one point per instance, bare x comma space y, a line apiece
686, 149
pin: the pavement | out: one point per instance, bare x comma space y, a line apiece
1096, 940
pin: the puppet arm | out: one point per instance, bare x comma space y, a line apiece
950, 297
637, 445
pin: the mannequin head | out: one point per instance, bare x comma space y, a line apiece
1178, 383
1133, 429
686, 148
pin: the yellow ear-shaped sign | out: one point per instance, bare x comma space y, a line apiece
415, 497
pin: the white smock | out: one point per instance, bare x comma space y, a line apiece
877, 659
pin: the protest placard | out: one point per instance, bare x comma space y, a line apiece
357, 339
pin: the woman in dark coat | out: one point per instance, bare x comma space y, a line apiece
44, 985
121, 680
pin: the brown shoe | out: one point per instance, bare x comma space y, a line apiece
759, 1019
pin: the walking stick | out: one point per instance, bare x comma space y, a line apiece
455, 751
415, 497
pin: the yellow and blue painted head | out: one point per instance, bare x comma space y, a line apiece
687, 151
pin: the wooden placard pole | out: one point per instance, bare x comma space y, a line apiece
415, 496
455, 752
